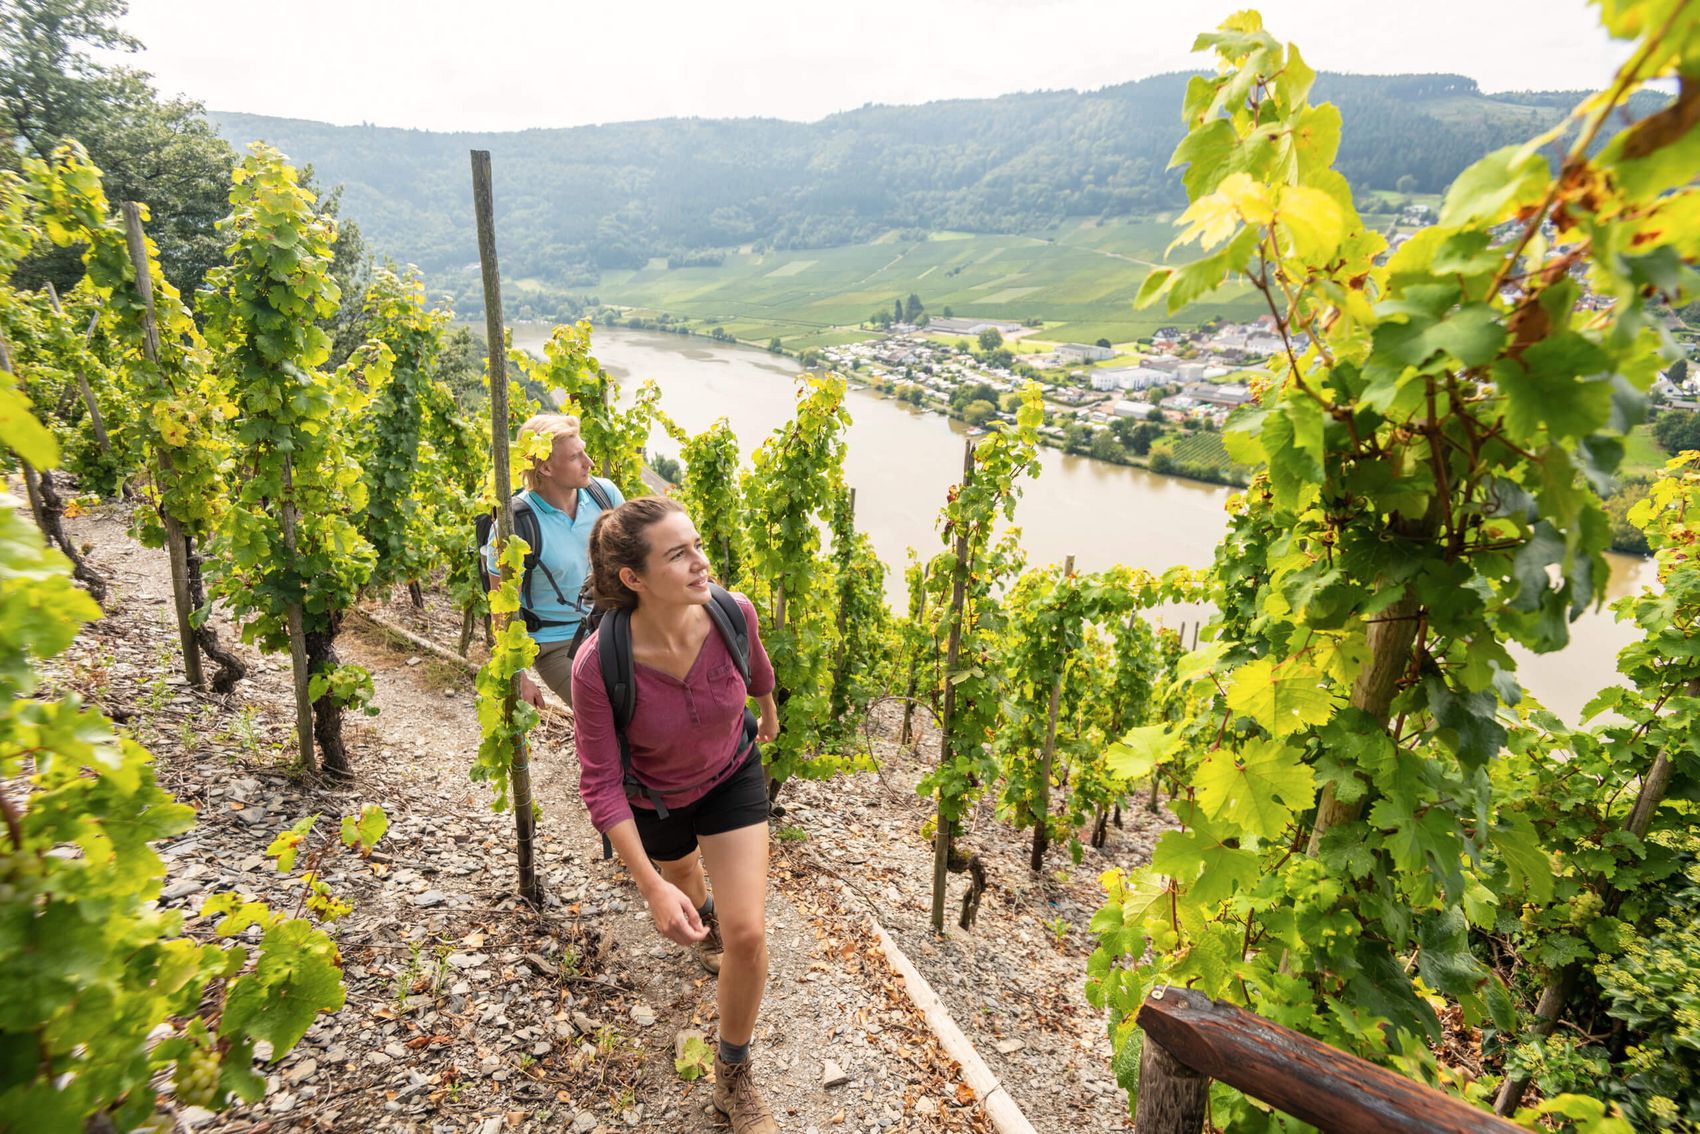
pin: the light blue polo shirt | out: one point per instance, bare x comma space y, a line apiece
566, 552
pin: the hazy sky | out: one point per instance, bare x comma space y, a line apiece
512, 64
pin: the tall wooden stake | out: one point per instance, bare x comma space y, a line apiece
88, 337
176, 544
912, 686
843, 603
519, 775
1042, 813
297, 632
953, 650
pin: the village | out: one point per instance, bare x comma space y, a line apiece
1181, 381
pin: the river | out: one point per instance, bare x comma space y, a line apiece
902, 460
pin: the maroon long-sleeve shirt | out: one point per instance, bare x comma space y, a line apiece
685, 736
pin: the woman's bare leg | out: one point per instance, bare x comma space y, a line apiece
686, 874
737, 860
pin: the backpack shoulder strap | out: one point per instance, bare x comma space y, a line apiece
530, 529
728, 618
482, 525
614, 652
600, 495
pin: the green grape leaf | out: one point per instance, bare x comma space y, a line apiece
22, 433
1466, 723
1210, 869
1530, 866
367, 830
1495, 187
297, 977
1256, 790
1140, 750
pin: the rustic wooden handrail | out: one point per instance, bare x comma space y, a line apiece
1191, 1039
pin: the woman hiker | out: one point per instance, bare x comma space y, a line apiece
565, 502
697, 777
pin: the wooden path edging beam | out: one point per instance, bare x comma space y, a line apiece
1333, 1090
425, 646
1006, 1116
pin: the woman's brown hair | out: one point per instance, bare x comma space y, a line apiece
620, 539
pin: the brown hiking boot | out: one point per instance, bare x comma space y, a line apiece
736, 1097
710, 948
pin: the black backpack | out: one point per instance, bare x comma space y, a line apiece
527, 528
614, 651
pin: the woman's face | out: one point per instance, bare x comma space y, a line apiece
675, 570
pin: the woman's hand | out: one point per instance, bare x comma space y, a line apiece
675, 917
768, 727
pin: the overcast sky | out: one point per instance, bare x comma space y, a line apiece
513, 64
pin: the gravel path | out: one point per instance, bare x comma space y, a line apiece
468, 1012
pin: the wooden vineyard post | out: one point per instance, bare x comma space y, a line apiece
907, 736
519, 772
780, 695
176, 542
1042, 811
1173, 1098
96, 422
843, 603
297, 633
88, 337
953, 649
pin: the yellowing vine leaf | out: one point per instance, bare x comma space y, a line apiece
1283, 699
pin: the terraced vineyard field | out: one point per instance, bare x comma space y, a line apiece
1080, 278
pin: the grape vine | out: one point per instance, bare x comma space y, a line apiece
1435, 433
292, 559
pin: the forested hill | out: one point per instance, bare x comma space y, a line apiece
572, 201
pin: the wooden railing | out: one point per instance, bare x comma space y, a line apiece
1191, 1039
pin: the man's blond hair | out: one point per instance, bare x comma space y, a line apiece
556, 425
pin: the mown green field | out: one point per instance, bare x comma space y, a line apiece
1080, 277
1642, 452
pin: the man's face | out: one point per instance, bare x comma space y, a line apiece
568, 466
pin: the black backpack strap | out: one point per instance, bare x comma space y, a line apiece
599, 494
528, 528
728, 618
614, 653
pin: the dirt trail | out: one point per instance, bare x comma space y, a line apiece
468, 1012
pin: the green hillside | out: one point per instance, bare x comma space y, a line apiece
578, 207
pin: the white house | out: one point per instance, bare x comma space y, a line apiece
1083, 352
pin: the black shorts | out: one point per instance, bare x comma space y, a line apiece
739, 800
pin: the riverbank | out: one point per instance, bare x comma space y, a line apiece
1188, 454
